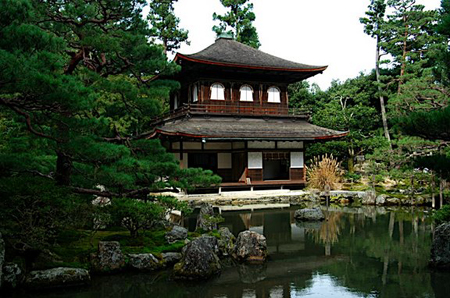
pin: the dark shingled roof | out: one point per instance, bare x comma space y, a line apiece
228, 52
245, 128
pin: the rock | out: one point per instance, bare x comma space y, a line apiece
381, 200
369, 198
204, 221
109, 257
250, 247
440, 248
419, 201
393, 201
226, 242
2, 257
144, 262
199, 260
57, 277
312, 214
171, 257
12, 275
177, 233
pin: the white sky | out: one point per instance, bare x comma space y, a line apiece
316, 32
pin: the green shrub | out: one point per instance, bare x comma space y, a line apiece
442, 215
135, 215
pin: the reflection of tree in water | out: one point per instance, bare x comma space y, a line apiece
388, 256
328, 231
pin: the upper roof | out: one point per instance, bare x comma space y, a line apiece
227, 52
231, 128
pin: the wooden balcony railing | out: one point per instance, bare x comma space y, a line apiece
235, 110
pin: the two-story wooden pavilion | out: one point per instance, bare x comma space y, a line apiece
231, 116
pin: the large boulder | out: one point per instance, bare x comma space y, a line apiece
199, 260
12, 275
250, 247
57, 277
109, 257
2, 257
226, 242
313, 214
177, 233
440, 249
381, 200
204, 218
171, 257
144, 262
369, 198
393, 201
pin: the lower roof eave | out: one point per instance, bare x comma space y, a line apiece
219, 138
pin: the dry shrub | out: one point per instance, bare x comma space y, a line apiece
323, 171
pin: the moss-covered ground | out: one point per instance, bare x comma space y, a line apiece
74, 247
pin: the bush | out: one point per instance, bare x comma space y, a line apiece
324, 171
33, 211
352, 177
135, 215
442, 215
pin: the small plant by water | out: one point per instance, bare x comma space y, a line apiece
324, 170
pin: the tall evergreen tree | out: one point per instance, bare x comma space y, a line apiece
165, 25
74, 84
238, 21
373, 23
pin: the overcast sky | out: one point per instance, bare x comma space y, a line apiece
316, 32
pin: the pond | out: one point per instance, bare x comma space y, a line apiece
356, 252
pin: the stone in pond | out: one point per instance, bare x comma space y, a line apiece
199, 260
312, 214
57, 277
250, 247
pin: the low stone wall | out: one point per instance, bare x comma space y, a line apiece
307, 197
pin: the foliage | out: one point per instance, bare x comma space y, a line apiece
324, 171
442, 215
34, 211
135, 215
165, 24
238, 22
77, 90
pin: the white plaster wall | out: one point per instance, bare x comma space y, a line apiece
255, 160
217, 146
261, 145
297, 160
290, 145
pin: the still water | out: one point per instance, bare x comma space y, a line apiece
356, 252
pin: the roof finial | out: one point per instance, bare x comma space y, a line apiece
225, 35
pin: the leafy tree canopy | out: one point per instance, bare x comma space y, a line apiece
238, 22
77, 101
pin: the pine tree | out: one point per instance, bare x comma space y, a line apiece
165, 25
75, 87
373, 23
238, 21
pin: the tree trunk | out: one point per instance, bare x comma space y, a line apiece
63, 169
382, 105
441, 193
405, 48
433, 197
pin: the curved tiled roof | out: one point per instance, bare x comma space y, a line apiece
246, 128
227, 52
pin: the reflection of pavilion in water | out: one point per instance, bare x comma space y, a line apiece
285, 235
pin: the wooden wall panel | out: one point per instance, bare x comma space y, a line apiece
255, 174
297, 174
